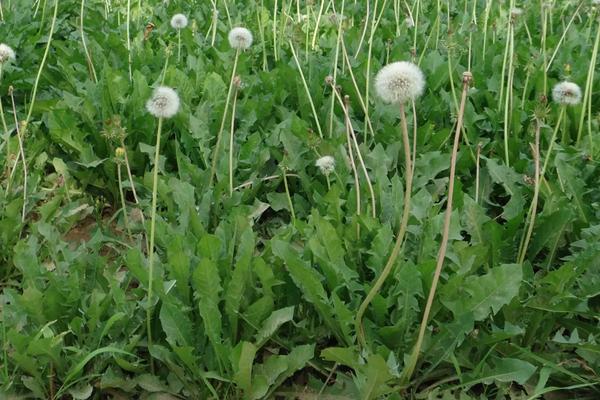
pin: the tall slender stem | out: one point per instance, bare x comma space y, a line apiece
22, 152
289, 197
408, 173
534, 202
215, 158
178, 45
231, 142
43, 62
587, 96
152, 232
312, 105
85, 49
553, 139
410, 366
127, 24
123, 205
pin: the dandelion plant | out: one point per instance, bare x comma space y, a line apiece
179, 22
564, 94
397, 83
163, 104
240, 39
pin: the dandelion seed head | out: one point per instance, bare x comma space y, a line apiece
6, 53
409, 22
326, 164
567, 93
164, 102
516, 11
240, 38
399, 82
179, 21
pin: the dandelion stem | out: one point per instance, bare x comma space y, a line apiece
587, 96
360, 99
289, 197
553, 139
312, 105
22, 152
564, 34
319, 15
149, 307
42, 63
215, 158
411, 364
214, 23
530, 220
127, 24
91, 68
178, 45
477, 173
123, 206
408, 171
346, 107
231, 142
508, 102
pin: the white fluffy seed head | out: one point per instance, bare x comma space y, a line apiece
164, 102
6, 53
399, 82
326, 164
516, 11
409, 22
567, 93
240, 38
179, 21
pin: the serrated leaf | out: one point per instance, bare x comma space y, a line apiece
271, 324
488, 293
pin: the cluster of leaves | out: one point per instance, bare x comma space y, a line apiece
251, 302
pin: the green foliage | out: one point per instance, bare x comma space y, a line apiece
250, 303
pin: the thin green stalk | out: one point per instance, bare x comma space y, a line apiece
149, 307
355, 84
504, 61
178, 45
123, 206
231, 142
310, 100
564, 34
289, 197
411, 364
543, 44
228, 14
374, 23
39, 73
553, 139
85, 49
319, 15
339, 42
587, 96
128, 23
214, 23
416, 27
488, 6
261, 31
346, 107
408, 173
530, 220
275, 52
508, 102
365, 27
213, 168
